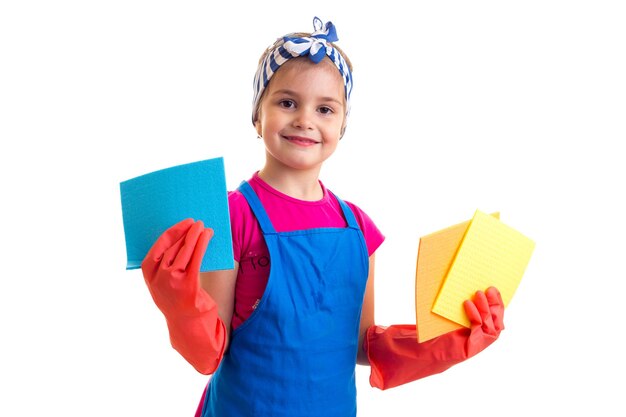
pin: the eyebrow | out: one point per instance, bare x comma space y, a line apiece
293, 93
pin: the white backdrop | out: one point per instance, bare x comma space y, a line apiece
517, 107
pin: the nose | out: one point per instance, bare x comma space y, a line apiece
303, 119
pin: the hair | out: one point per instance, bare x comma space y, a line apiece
279, 42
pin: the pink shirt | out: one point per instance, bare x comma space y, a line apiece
286, 214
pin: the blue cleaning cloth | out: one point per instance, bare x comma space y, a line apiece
153, 202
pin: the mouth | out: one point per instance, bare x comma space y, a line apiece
301, 140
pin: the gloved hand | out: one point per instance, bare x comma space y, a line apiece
171, 271
396, 357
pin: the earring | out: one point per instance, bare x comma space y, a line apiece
259, 137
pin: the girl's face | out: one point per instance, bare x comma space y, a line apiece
301, 114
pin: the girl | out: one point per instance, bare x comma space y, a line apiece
282, 332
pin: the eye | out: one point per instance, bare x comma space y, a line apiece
287, 104
325, 110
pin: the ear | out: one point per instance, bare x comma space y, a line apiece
343, 128
258, 127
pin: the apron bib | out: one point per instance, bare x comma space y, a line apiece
295, 356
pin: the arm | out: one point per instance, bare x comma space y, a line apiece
367, 313
220, 285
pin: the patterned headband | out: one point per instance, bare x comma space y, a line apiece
316, 47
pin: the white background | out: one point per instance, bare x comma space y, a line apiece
517, 107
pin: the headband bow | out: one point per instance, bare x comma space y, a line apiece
316, 46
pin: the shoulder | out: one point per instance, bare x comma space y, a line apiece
372, 234
240, 211
236, 200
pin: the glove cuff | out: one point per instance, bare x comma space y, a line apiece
396, 357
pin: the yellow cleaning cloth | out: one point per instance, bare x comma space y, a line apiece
491, 254
435, 255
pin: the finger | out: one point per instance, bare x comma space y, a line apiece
154, 278
170, 253
472, 313
168, 239
183, 256
480, 299
200, 249
496, 306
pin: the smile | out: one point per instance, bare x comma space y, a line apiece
300, 140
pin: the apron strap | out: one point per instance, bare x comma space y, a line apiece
347, 213
257, 208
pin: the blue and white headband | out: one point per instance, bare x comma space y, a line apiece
316, 47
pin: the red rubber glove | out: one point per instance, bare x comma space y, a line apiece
396, 357
171, 270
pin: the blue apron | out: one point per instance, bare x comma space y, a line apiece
295, 356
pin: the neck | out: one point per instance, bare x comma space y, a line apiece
301, 185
